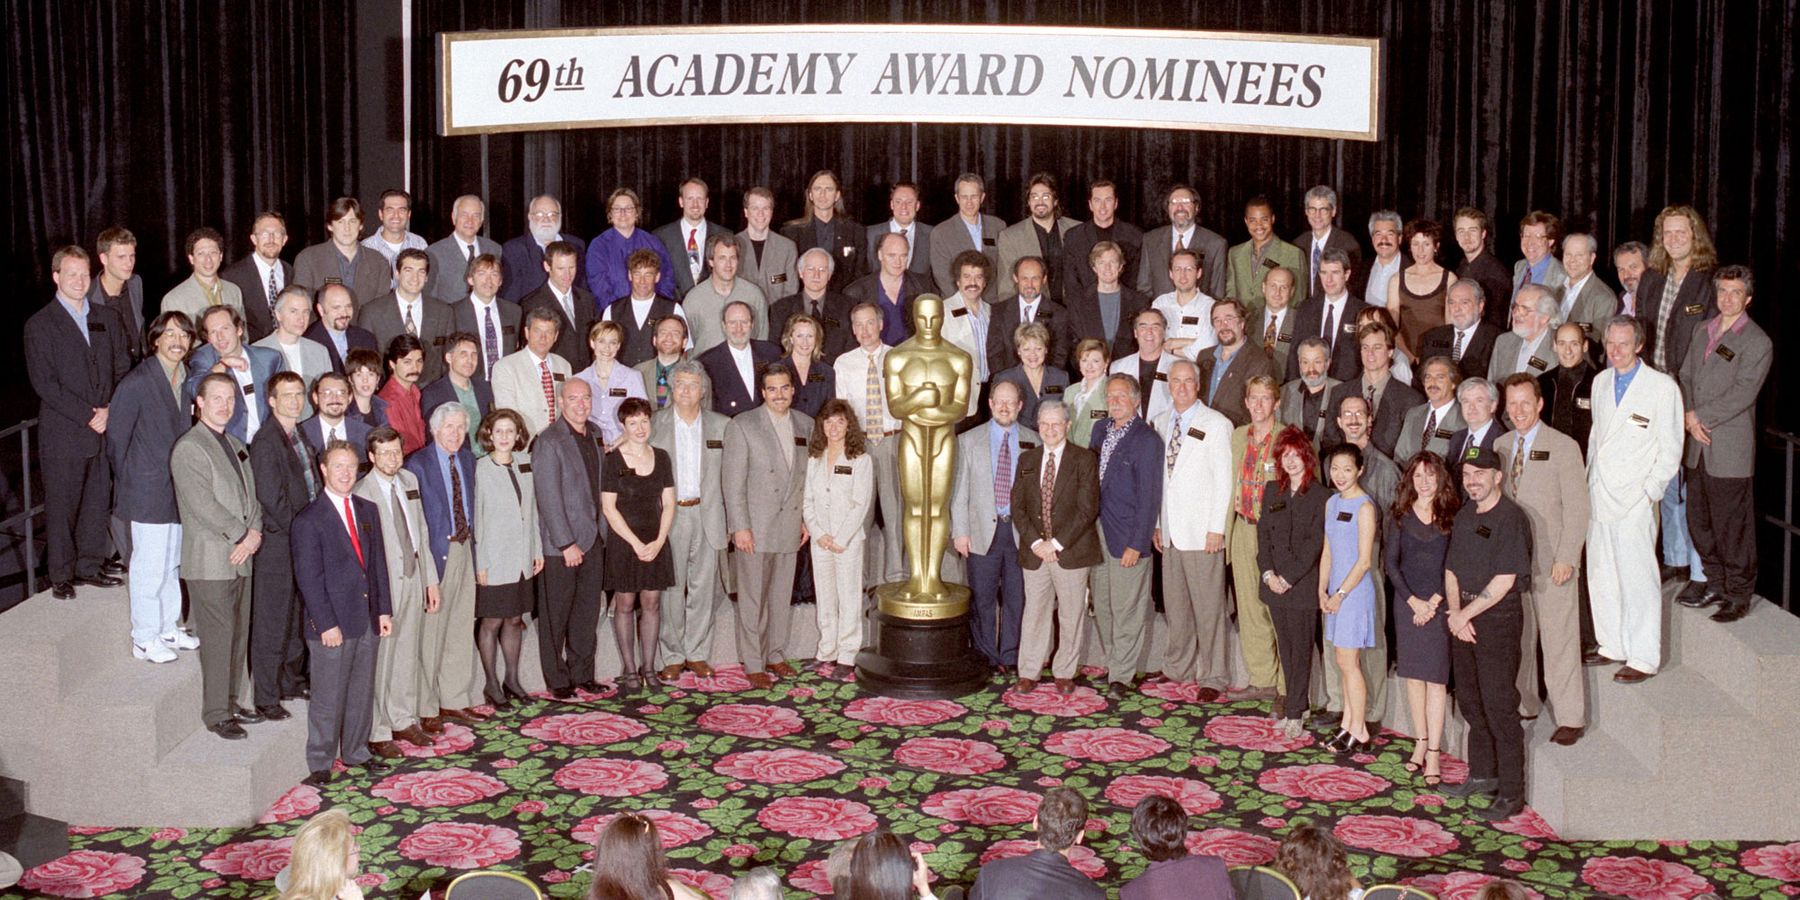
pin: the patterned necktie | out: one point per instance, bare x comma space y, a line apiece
1174, 442
412, 327
1315, 262
459, 517
1371, 396
306, 469
1049, 492
272, 290
872, 421
490, 341
406, 545
693, 251
662, 385
350, 523
1003, 474
471, 252
1456, 351
1112, 442
549, 389
1518, 467
1269, 337
1430, 426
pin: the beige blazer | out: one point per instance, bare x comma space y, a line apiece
1552, 489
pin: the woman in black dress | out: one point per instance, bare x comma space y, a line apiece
813, 376
1417, 537
1289, 537
639, 504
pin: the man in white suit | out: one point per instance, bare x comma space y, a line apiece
1633, 452
531, 380
1190, 534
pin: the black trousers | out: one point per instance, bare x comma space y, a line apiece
1486, 675
568, 615
277, 647
1296, 630
77, 513
1722, 522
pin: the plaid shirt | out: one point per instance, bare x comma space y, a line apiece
1250, 485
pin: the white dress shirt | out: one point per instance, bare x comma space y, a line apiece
690, 438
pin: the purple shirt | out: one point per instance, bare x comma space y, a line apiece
607, 276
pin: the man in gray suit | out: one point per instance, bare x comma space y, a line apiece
451, 256
1160, 243
903, 202
1725, 367
764, 474
568, 456
1586, 299
1305, 401
694, 438
412, 589
407, 310
1041, 234
766, 258
969, 229
981, 528
215, 492
686, 238
1429, 425
1531, 344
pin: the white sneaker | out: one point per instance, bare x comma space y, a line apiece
180, 640
155, 651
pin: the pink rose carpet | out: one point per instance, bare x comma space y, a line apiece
737, 779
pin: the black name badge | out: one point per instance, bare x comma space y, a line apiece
1693, 309
1278, 506
1538, 364
840, 470
557, 376
1539, 455
1345, 516
249, 389
1027, 445
243, 456
1196, 434
615, 392
1726, 353
960, 311
1483, 531
831, 323
1162, 376
525, 468
1444, 433
1190, 320
1096, 414
778, 279
1271, 264
1284, 339
333, 279
413, 494
96, 326
987, 242
1053, 389
1639, 420
799, 441
715, 445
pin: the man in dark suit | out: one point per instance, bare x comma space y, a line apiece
685, 238
637, 313
1055, 504
1467, 339
827, 227
1272, 328
1131, 476
1101, 306
335, 307
1479, 399
522, 258
1323, 236
75, 354
1330, 316
568, 457
1393, 398
455, 252
1028, 305
407, 310
733, 365
1079, 245
1045, 872
341, 564
250, 367
574, 306
1675, 295
461, 383
1229, 366
903, 202
287, 479
118, 286
892, 287
493, 322
1568, 389
138, 441
816, 298
445, 469
1182, 233
1159, 828
331, 400
1479, 265
262, 273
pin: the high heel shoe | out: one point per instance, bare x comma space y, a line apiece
517, 695
496, 699
1432, 780
1353, 745
1337, 742
1415, 763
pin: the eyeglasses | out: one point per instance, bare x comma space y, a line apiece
547, 216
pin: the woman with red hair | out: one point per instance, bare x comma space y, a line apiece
1288, 538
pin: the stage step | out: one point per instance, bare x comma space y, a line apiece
25, 836
1702, 751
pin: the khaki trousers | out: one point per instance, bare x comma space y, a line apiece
1051, 590
1256, 631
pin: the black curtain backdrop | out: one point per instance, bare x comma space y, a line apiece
164, 115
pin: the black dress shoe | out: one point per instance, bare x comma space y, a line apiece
592, 687
563, 693
1697, 595
247, 716
1118, 690
99, 579
1593, 658
1670, 573
275, 713
376, 765
112, 567
62, 590
320, 778
229, 730
1732, 610
299, 693
1503, 808
1472, 787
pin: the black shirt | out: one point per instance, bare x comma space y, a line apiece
589, 447
1483, 545
231, 453
1146, 381
1496, 282
1050, 247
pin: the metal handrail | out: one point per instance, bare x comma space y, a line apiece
1790, 442
30, 511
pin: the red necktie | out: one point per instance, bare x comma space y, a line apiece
350, 522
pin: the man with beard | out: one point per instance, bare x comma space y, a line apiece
405, 359
261, 274
669, 336
336, 307
1630, 259
1467, 339
1028, 304
1041, 234
522, 258
331, 397
1231, 364
827, 227
1250, 261
1527, 347
1160, 245
1430, 425
1305, 399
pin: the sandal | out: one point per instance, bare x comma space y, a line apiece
1432, 780
1417, 761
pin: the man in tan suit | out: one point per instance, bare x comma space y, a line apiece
204, 288
1546, 476
519, 377
764, 475
1040, 234
412, 591
215, 491
694, 438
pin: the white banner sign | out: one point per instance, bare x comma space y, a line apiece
990, 74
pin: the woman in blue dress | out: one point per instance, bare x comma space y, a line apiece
1347, 594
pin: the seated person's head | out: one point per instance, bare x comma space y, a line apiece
837, 866
1159, 826
881, 868
760, 883
1315, 861
1060, 817
628, 861
325, 857
1504, 889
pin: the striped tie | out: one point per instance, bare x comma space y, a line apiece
873, 423
549, 389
